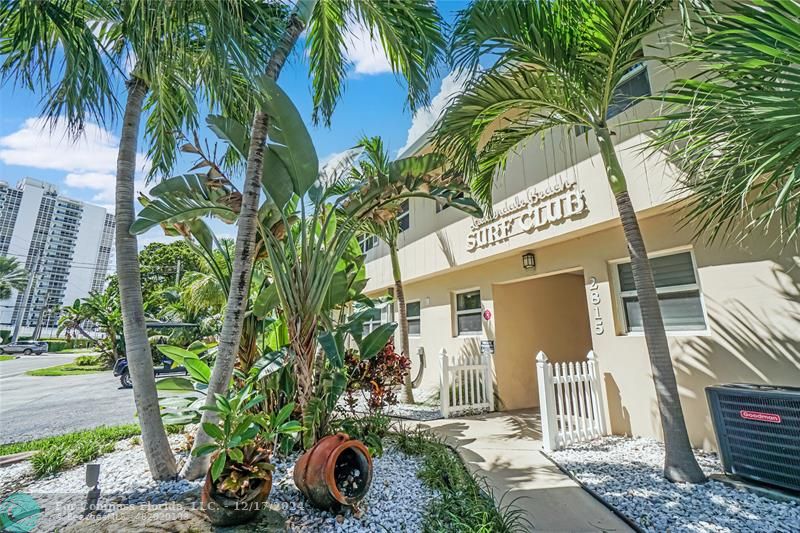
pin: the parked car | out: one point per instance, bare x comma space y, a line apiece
121, 370
24, 347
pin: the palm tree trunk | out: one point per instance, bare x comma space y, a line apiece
400, 296
154, 438
680, 464
238, 294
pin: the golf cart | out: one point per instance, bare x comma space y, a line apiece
165, 366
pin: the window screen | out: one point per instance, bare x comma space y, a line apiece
678, 294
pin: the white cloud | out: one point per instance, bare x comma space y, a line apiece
38, 145
426, 117
103, 185
365, 52
89, 161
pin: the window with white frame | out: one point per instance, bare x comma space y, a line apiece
468, 312
375, 319
678, 293
404, 216
413, 316
367, 242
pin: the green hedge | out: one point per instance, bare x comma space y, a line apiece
59, 345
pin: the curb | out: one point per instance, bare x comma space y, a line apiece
633, 525
8, 460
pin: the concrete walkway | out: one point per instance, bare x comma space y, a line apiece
505, 449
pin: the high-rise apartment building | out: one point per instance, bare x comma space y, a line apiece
65, 245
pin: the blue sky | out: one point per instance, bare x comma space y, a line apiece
373, 104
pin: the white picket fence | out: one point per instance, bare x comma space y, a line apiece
466, 384
570, 401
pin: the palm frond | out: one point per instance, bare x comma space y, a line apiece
734, 130
409, 31
554, 63
49, 48
326, 54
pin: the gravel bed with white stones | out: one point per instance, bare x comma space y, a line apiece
627, 473
396, 500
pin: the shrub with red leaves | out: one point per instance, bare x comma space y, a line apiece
377, 377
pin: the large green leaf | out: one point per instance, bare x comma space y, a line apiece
275, 178
289, 138
266, 301
175, 384
232, 131
176, 353
218, 465
182, 199
332, 344
376, 340
198, 369
338, 289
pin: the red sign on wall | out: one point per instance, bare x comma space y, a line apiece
760, 417
487, 315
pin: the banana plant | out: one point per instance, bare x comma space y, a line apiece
181, 397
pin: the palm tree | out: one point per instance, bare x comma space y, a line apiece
377, 162
410, 34
733, 128
102, 309
12, 276
180, 49
557, 64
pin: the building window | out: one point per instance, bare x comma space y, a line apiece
403, 216
413, 316
468, 312
367, 242
373, 321
678, 294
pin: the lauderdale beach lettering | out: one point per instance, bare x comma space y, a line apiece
537, 209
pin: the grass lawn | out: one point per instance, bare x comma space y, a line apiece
65, 451
6, 357
68, 369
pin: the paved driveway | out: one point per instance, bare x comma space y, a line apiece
41, 406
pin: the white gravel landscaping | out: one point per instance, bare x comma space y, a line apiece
627, 473
396, 500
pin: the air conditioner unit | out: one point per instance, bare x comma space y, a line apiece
758, 431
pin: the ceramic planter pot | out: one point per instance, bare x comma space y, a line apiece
224, 511
336, 472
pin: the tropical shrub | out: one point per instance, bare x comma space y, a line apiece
243, 441
88, 360
372, 382
376, 378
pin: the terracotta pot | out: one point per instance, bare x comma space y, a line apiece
224, 511
336, 472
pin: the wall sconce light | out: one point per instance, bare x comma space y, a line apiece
528, 261
427, 301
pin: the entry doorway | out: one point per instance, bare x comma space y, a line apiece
548, 313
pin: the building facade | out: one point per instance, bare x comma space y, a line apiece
549, 271
64, 244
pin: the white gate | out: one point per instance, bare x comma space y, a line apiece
466, 385
570, 401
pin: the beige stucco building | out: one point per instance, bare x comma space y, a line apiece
732, 310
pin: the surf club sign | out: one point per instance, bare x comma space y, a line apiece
536, 209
